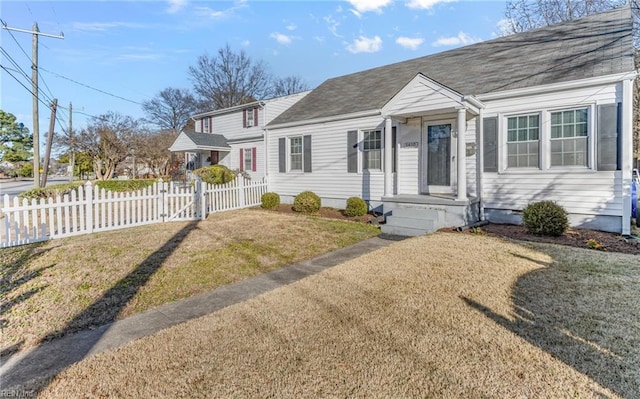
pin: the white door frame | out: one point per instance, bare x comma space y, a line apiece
425, 188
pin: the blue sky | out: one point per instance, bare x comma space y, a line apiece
134, 49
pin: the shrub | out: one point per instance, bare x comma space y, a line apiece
125, 185
545, 218
355, 207
215, 174
270, 200
49, 191
307, 202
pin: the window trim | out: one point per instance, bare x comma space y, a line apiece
507, 142
363, 134
246, 151
589, 138
544, 140
289, 154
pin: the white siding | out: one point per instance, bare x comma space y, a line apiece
230, 126
409, 164
276, 106
421, 95
232, 159
182, 143
329, 177
579, 190
409, 157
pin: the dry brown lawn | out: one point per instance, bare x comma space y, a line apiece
446, 315
61, 286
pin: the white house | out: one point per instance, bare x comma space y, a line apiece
233, 137
472, 133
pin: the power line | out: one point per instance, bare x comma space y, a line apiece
7, 70
26, 55
90, 87
19, 69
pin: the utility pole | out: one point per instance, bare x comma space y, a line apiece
47, 157
34, 87
72, 154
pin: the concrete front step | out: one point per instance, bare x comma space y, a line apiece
418, 213
402, 231
428, 225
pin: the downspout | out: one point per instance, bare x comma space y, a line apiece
480, 163
265, 139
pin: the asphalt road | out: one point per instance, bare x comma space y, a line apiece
13, 187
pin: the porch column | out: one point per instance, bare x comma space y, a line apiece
388, 169
461, 156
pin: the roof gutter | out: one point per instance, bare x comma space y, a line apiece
574, 84
341, 117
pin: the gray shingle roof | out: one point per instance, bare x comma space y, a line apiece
208, 139
597, 45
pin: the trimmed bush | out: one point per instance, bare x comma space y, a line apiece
49, 191
270, 200
306, 202
215, 174
355, 207
125, 185
545, 218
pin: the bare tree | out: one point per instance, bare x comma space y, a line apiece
524, 15
153, 150
170, 109
107, 140
289, 85
229, 79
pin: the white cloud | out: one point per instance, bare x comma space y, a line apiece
425, 4
281, 38
503, 28
291, 27
362, 6
411, 43
176, 5
332, 25
209, 12
103, 26
245, 43
461, 39
318, 39
365, 45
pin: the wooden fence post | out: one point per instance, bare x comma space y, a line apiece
88, 187
241, 187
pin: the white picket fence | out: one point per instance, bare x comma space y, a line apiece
91, 209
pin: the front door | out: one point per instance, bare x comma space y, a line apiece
437, 158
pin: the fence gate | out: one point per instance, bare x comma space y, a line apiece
181, 201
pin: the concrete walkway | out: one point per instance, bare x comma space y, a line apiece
50, 358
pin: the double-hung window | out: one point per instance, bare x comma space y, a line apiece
523, 141
248, 159
295, 153
205, 125
372, 150
250, 118
569, 133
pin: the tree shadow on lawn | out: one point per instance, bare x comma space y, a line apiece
12, 277
584, 317
48, 360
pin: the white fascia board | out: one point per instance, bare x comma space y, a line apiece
229, 110
573, 84
334, 118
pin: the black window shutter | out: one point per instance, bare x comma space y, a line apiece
490, 144
244, 118
282, 155
255, 116
609, 137
306, 148
352, 151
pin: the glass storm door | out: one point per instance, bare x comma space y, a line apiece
437, 160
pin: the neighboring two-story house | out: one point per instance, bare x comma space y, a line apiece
233, 137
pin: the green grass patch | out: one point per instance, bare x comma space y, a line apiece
125, 185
